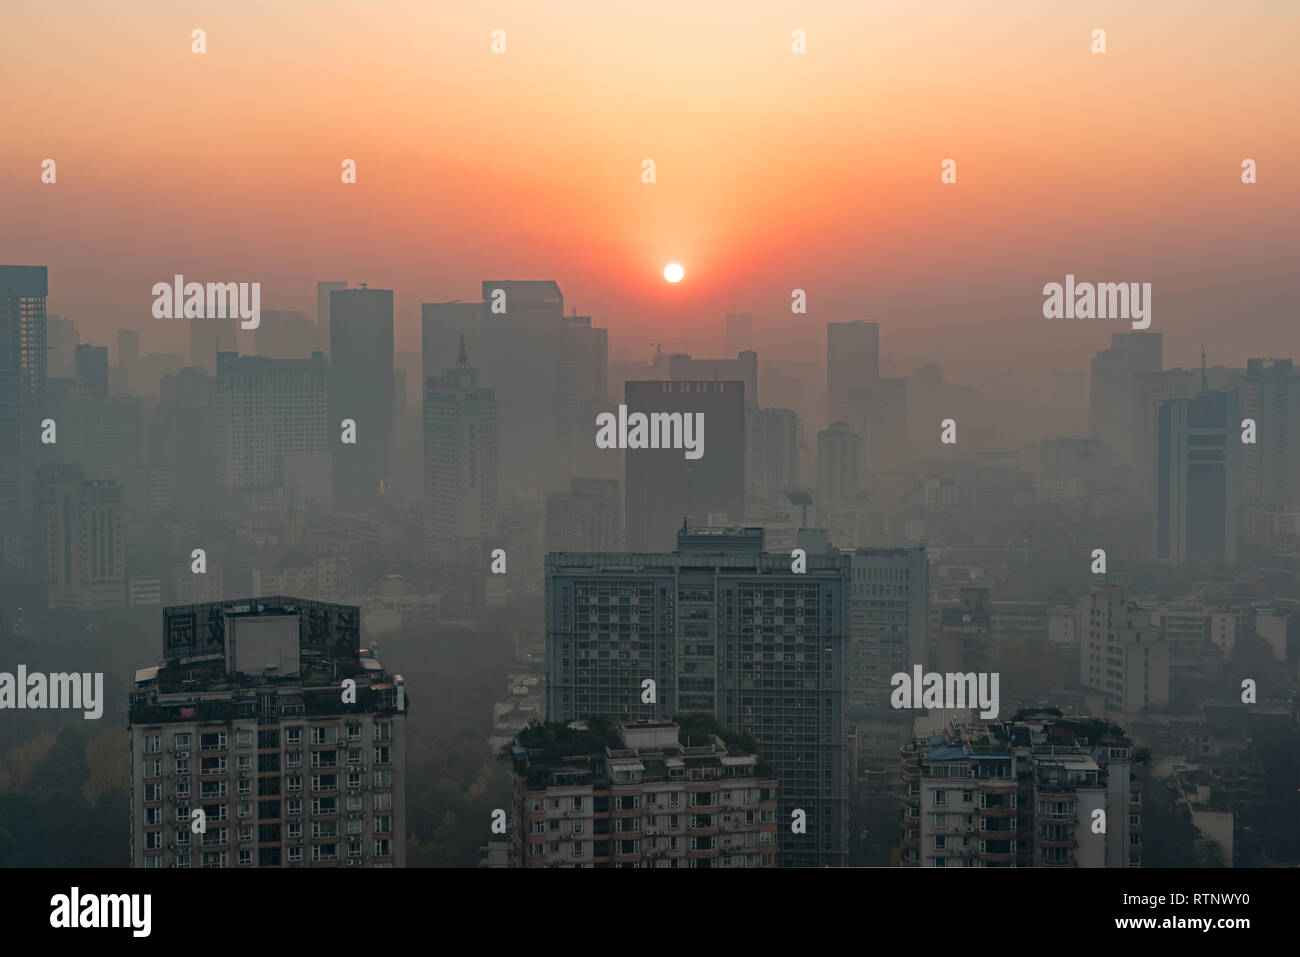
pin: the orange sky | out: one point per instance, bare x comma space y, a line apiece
775, 171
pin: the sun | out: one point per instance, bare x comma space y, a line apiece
674, 272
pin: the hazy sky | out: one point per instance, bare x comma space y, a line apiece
774, 170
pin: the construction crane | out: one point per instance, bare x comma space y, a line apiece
671, 342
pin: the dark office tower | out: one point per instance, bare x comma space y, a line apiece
839, 455
92, 370
1110, 407
62, 339
22, 388
663, 486
740, 333
361, 389
586, 518
184, 441
724, 629
1198, 478
1271, 467
852, 367
323, 291
771, 452
460, 461
79, 540
1151, 390
285, 334
128, 359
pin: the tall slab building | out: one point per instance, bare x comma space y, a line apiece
361, 389
720, 627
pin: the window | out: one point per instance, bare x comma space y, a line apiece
153, 840
941, 820
293, 760
293, 782
181, 742
244, 739
382, 756
354, 733
577, 825
329, 735
295, 854
324, 852
940, 842
384, 824
293, 735
245, 808
354, 825
324, 782
152, 743
383, 779
294, 830
383, 731
940, 798
245, 858
245, 762
383, 802
294, 805
212, 742
383, 847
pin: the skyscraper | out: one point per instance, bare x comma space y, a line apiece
323, 291
888, 621
361, 390
771, 452
1271, 466
128, 359
663, 487
1198, 477
720, 627
184, 438
685, 368
22, 387
269, 413
852, 367
460, 459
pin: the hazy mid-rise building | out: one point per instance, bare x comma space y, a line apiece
23, 365
584, 392
1110, 387
723, 628
184, 439
460, 458
128, 359
1122, 652
663, 487
269, 412
888, 621
739, 332
685, 368
209, 337
323, 291
586, 518
82, 550
698, 804
1020, 794
839, 457
1270, 468
771, 452
1151, 390
62, 339
443, 327
92, 370
104, 436
852, 367
361, 390
284, 334
242, 718
1198, 478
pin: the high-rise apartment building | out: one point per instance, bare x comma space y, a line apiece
460, 457
1198, 478
271, 418
1021, 794
184, 437
888, 621
22, 388
128, 359
663, 487
80, 541
361, 390
243, 720
646, 800
722, 628
1122, 652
